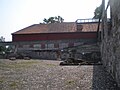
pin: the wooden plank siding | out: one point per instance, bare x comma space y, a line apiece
53, 36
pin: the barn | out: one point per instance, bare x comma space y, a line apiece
39, 39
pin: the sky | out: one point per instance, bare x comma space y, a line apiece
18, 14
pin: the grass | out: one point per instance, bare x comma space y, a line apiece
70, 82
50, 65
14, 84
17, 64
11, 84
1, 81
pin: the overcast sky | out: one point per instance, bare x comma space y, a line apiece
18, 14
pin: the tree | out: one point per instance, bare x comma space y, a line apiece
97, 12
56, 19
2, 39
59, 19
2, 48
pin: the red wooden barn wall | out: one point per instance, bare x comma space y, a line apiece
54, 36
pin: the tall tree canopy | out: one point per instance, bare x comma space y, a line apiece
56, 19
97, 12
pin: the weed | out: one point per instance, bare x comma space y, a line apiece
1, 81
70, 82
50, 65
14, 84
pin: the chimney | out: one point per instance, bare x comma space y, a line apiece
79, 27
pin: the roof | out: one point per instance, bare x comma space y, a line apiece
57, 28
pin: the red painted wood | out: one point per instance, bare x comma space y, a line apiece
54, 36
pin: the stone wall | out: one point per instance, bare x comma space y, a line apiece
110, 46
50, 50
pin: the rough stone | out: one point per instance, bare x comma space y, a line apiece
110, 46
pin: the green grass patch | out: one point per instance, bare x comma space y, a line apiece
70, 82
18, 64
14, 84
50, 65
1, 81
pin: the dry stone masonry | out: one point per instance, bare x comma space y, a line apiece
110, 46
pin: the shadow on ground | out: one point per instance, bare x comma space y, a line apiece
102, 80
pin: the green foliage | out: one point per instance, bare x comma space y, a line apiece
56, 19
2, 48
97, 12
5, 49
2, 39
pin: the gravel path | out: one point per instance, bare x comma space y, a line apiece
48, 75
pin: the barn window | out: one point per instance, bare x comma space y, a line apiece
63, 45
49, 46
37, 46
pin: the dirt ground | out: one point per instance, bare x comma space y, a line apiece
48, 75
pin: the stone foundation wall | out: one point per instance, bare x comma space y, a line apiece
50, 55
110, 46
50, 52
